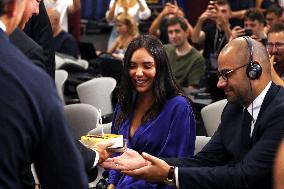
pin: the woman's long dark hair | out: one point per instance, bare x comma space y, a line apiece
164, 86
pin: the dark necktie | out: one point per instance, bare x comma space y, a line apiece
246, 129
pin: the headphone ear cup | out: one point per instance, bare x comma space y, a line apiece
254, 70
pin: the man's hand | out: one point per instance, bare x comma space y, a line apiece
129, 160
101, 148
169, 9
156, 171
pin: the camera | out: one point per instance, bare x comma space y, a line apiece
248, 32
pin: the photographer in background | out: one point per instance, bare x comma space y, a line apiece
159, 26
254, 22
215, 33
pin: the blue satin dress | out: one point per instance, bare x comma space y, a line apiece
171, 134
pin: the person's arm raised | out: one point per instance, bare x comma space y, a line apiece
75, 6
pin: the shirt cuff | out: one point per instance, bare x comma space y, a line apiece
176, 177
96, 159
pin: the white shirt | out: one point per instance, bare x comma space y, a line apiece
62, 7
2, 26
255, 106
133, 11
253, 109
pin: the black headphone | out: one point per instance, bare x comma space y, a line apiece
253, 70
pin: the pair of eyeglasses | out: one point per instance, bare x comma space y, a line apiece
277, 45
226, 73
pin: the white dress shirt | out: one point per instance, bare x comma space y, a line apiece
2, 26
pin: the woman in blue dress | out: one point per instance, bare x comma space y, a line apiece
152, 112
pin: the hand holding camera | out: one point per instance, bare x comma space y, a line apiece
170, 8
212, 10
239, 31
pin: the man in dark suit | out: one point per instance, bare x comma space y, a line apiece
33, 127
39, 29
242, 151
26, 44
30, 48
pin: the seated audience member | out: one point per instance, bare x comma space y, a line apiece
137, 9
127, 30
39, 29
33, 127
241, 152
215, 33
279, 168
159, 26
24, 43
254, 22
187, 63
152, 113
64, 41
272, 16
275, 47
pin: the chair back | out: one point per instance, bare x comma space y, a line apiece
98, 92
200, 142
211, 116
81, 118
60, 78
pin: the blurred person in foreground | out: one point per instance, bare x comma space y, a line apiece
279, 168
39, 29
152, 113
24, 43
33, 127
241, 152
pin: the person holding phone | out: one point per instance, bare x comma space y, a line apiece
213, 30
159, 26
254, 22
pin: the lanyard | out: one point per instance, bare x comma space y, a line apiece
217, 47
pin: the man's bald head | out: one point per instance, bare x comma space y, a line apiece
239, 47
233, 60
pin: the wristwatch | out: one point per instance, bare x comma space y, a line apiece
171, 180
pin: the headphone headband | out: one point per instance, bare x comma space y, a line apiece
254, 70
250, 46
